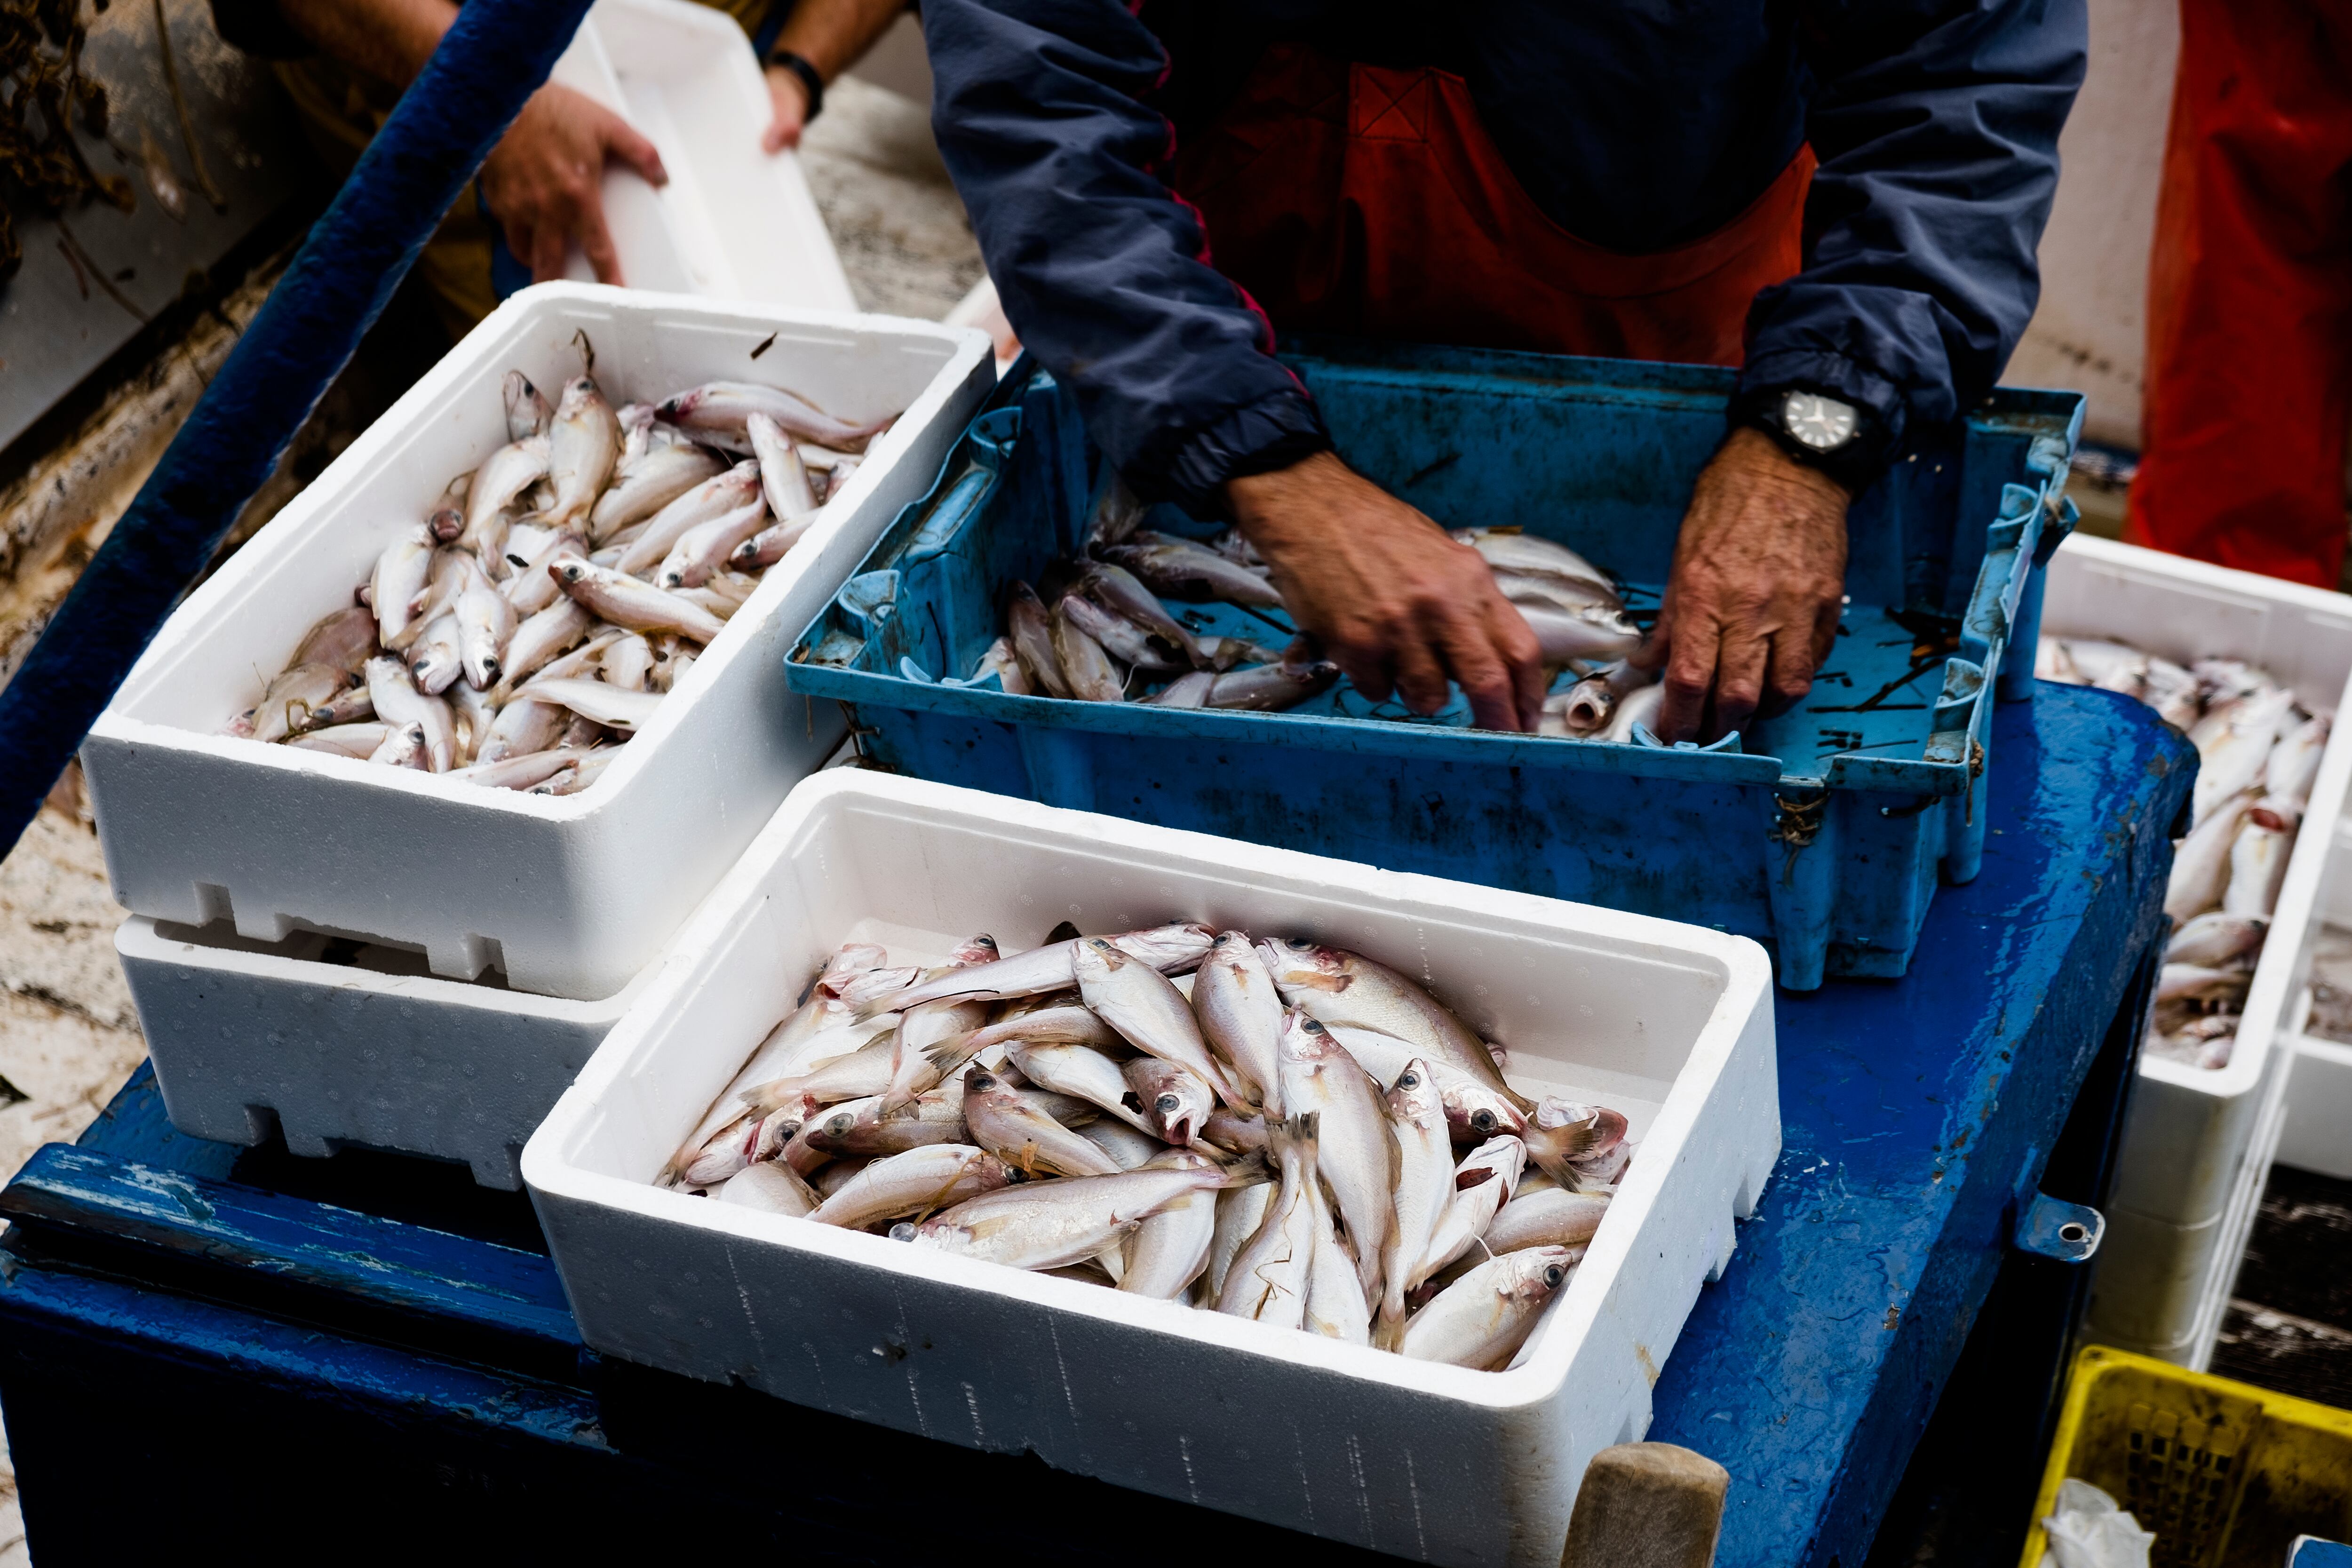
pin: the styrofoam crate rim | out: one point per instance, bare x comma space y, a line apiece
137, 938
1741, 966
2193, 573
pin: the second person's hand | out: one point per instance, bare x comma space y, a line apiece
1394, 601
544, 182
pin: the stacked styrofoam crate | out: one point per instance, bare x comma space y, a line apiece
566, 898
1671, 1024
2198, 1142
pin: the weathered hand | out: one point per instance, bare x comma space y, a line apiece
788, 100
1398, 604
1759, 581
544, 181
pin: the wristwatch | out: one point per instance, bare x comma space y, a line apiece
1818, 430
810, 80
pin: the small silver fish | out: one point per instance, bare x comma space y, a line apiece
919, 1181
1135, 999
1025, 1137
403, 747
770, 1187
528, 413
501, 479
344, 640
1423, 1187
782, 475
645, 486
1356, 1151
358, 741
1482, 1319
1241, 1016
534, 587
1555, 1217
1268, 1277
583, 446
435, 659
399, 703
1030, 628
634, 605
613, 706
1081, 1072
718, 413
1089, 670
1181, 568
1048, 1225
707, 546
294, 700
396, 585
1175, 1101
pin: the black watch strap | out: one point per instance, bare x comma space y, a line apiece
810, 80
1855, 464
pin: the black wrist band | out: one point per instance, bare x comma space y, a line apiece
1856, 465
810, 80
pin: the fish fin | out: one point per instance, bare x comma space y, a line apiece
946, 1056
1249, 1170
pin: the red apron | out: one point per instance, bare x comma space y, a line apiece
1370, 200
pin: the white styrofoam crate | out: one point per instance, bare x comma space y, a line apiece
371, 1054
733, 222
2316, 1133
1672, 1023
2197, 1143
569, 895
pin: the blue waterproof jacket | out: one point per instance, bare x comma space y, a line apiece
1635, 124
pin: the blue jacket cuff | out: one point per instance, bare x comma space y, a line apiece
1189, 467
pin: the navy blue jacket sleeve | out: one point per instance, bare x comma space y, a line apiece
1036, 104
1937, 124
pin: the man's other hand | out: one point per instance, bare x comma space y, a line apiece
544, 182
1758, 582
1394, 601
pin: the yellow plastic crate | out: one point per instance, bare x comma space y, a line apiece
2225, 1473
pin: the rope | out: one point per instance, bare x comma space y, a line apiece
493, 59
1798, 824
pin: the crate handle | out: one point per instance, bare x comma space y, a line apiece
2049, 1227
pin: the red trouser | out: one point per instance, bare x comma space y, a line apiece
2250, 294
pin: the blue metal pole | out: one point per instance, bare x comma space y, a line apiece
492, 60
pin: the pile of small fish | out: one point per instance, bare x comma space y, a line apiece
536, 619
1101, 632
1273, 1137
2258, 755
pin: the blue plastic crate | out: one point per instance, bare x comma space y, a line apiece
1821, 832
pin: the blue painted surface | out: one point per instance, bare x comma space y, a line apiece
1825, 838
2311, 1552
494, 57
1916, 1120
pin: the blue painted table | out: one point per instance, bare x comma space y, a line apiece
368, 1353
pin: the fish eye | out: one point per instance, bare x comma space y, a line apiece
1410, 1080
1553, 1275
1484, 1120
840, 1125
1167, 1104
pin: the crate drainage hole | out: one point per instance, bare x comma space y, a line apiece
2072, 1231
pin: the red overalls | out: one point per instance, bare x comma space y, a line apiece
1370, 200
2249, 373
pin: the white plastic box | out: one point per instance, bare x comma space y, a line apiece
733, 222
2197, 1143
1672, 1023
368, 1051
568, 896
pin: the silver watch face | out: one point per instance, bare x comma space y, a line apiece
1825, 424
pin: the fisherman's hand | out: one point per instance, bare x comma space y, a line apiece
1392, 600
788, 100
1759, 577
545, 180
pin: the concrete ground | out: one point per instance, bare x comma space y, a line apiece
68, 1035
